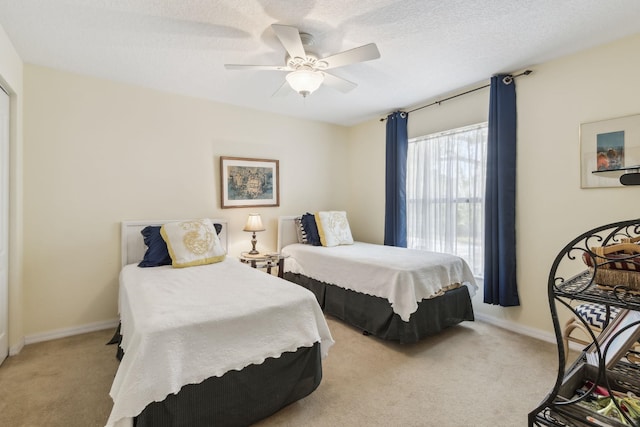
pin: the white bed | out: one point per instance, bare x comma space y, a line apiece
195, 325
381, 289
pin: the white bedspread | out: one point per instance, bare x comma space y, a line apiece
403, 276
181, 326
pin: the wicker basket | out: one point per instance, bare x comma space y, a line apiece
611, 273
608, 278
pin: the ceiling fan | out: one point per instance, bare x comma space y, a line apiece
306, 72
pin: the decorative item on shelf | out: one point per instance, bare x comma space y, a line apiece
254, 223
630, 178
615, 264
627, 175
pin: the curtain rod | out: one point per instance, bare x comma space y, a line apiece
507, 79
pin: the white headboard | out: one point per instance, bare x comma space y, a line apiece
132, 242
287, 233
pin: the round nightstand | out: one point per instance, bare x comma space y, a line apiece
265, 260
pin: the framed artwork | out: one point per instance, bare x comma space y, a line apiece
608, 148
249, 182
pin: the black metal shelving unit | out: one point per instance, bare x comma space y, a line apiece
562, 407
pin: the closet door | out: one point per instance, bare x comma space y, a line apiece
4, 224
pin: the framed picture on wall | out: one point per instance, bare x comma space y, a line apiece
608, 148
249, 182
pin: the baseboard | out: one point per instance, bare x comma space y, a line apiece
16, 348
67, 332
107, 324
523, 330
515, 327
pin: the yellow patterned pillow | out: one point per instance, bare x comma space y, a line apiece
333, 228
193, 242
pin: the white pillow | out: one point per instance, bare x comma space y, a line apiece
333, 228
193, 242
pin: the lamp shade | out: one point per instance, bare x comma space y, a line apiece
254, 223
305, 82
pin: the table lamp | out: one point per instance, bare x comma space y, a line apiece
254, 223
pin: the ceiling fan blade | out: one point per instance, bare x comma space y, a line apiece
290, 39
357, 54
256, 67
338, 83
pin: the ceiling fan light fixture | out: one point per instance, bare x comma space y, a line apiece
305, 82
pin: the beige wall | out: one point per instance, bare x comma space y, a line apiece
551, 207
11, 69
99, 152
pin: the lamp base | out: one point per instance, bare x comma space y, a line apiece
253, 250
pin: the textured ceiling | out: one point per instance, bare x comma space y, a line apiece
427, 47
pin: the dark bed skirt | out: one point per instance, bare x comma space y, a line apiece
239, 398
375, 316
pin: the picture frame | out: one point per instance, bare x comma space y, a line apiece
247, 182
608, 148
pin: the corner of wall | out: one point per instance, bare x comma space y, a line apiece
12, 76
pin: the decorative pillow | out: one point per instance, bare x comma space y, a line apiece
218, 228
333, 228
192, 243
596, 314
157, 253
311, 229
302, 235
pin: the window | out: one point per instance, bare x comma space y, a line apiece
445, 193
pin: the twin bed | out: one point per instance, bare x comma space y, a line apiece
214, 344
225, 344
392, 293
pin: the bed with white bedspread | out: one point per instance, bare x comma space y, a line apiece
216, 333
390, 292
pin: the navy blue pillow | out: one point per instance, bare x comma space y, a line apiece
308, 221
218, 228
157, 253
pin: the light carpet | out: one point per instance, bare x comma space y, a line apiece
473, 374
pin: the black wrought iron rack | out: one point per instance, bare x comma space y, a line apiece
562, 406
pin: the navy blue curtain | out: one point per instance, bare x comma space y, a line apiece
500, 286
395, 218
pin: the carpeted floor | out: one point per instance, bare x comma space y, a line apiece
473, 374
59, 383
